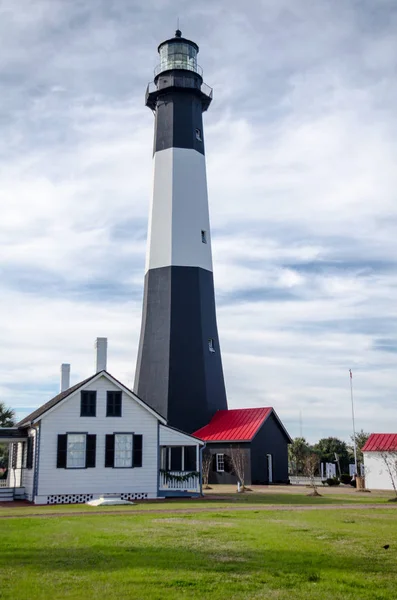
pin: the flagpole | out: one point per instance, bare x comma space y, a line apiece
354, 427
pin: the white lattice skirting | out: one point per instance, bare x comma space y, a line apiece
83, 498
135, 496
69, 498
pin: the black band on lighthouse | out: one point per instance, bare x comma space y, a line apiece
179, 122
179, 368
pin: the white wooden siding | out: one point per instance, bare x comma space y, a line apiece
171, 437
376, 473
99, 480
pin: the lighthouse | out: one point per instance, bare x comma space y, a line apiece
179, 366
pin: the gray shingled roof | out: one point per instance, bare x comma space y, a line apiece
42, 409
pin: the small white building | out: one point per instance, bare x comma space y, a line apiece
380, 461
97, 438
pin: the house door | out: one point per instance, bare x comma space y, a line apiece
269, 468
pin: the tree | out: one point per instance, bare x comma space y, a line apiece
206, 467
7, 416
297, 453
310, 469
328, 447
7, 419
237, 456
361, 438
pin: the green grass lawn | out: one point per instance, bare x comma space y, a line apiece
333, 554
228, 500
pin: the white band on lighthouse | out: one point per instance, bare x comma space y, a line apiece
179, 225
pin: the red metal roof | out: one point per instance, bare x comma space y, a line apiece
377, 442
238, 425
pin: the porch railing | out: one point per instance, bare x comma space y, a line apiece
4, 483
179, 480
300, 480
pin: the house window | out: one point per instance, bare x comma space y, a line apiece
76, 451
76, 445
203, 236
211, 345
198, 135
220, 463
113, 404
88, 404
123, 450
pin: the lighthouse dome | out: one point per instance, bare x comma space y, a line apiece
178, 53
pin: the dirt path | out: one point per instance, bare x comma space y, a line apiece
187, 511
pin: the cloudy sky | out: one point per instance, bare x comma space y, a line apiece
301, 155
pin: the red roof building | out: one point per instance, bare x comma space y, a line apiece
380, 461
261, 437
381, 442
238, 425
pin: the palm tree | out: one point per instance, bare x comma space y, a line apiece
7, 416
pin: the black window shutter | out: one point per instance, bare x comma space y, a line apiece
29, 453
14, 458
214, 465
176, 458
190, 458
109, 451
62, 451
137, 449
90, 451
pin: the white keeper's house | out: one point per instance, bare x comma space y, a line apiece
94, 439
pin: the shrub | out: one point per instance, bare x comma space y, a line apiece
333, 481
345, 478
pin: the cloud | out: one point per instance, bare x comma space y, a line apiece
301, 154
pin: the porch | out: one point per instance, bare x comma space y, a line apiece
180, 463
11, 473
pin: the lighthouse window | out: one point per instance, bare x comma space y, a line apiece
211, 345
198, 135
178, 56
203, 236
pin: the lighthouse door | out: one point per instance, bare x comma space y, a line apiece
269, 468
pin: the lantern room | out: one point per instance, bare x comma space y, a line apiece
178, 53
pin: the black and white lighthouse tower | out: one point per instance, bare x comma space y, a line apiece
179, 367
